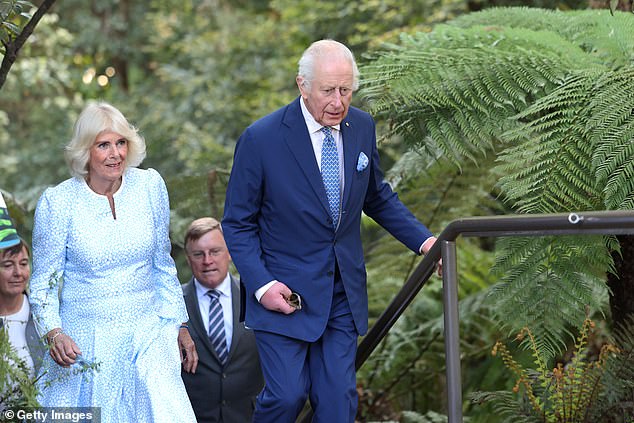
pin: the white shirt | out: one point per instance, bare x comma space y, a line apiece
317, 139
225, 302
16, 326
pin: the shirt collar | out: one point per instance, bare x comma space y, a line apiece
224, 288
311, 123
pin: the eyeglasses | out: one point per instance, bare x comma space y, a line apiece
200, 255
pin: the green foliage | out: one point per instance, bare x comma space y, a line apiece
572, 392
614, 404
405, 372
38, 101
533, 90
13, 15
603, 37
429, 417
545, 282
192, 74
17, 386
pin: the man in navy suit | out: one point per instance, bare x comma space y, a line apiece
291, 235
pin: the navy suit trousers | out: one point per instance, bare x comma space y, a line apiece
323, 371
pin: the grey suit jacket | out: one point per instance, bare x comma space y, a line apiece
222, 394
36, 345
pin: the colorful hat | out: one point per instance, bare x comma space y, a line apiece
8, 234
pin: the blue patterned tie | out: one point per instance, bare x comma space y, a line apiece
217, 326
330, 173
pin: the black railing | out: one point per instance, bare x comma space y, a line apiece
603, 222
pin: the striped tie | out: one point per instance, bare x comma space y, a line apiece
217, 326
330, 173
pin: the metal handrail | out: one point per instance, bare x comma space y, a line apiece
590, 222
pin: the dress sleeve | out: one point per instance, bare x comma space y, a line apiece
169, 292
50, 230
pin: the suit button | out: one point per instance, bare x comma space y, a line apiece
330, 273
224, 375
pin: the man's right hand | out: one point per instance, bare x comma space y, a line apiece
274, 298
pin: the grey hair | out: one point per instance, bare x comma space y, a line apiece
96, 118
321, 48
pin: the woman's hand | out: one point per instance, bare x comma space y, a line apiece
62, 347
187, 348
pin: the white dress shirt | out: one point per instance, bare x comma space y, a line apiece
225, 301
317, 139
16, 325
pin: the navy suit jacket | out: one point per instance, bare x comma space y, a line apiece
278, 227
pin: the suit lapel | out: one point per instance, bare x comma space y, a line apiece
351, 148
298, 141
237, 325
195, 319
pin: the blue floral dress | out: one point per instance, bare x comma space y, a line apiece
119, 299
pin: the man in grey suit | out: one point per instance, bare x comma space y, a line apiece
228, 375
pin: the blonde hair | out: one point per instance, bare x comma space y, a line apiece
96, 118
200, 227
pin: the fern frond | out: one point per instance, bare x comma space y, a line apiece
604, 36
550, 169
615, 400
546, 284
507, 406
611, 128
462, 98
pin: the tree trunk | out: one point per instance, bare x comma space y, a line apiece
622, 284
12, 48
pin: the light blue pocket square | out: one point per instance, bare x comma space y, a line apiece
363, 161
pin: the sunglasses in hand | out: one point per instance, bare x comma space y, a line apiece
294, 300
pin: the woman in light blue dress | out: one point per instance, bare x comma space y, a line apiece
104, 289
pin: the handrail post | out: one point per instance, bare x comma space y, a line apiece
452, 331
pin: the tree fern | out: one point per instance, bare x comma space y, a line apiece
549, 168
604, 36
611, 130
548, 95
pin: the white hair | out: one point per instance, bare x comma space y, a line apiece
96, 118
325, 48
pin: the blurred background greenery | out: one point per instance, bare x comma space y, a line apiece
192, 74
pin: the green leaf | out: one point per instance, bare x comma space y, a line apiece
13, 28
